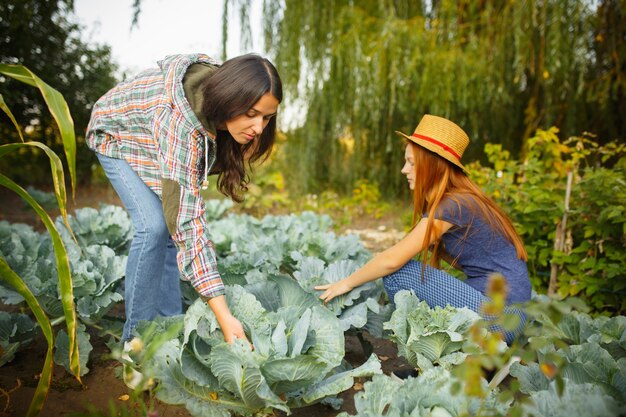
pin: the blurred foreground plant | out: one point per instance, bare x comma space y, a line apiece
60, 112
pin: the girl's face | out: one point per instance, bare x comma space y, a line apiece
248, 126
409, 166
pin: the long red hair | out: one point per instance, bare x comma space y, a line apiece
436, 178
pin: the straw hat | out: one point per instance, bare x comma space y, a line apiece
440, 136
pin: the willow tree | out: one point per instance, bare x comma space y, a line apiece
501, 69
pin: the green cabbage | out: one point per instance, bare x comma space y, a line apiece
433, 393
16, 331
429, 337
297, 358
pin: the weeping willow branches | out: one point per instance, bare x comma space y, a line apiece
500, 69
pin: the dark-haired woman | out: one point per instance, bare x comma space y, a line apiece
453, 220
158, 136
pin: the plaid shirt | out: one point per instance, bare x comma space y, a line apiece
148, 122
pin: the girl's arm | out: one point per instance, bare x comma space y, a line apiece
386, 262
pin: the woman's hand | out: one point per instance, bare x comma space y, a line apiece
333, 290
232, 329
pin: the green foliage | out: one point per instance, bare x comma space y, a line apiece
42, 37
592, 262
247, 246
270, 193
16, 330
296, 361
109, 226
357, 71
249, 250
59, 111
563, 363
359, 308
365, 199
432, 337
97, 271
573, 399
433, 393
47, 200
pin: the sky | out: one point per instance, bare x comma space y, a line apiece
165, 27
168, 27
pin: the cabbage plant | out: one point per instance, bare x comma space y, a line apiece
302, 246
587, 363
359, 308
573, 399
429, 337
297, 358
247, 246
16, 330
109, 225
434, 393
97, 272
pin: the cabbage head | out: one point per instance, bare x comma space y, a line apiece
429, 337
297, 358
434, 393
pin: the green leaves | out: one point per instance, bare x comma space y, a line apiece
58, 108
60, 111
238, 372
63, 269
575, 399
43, 386
429, 337
591, 262
16, 329
296, 361
432, 393
96, 270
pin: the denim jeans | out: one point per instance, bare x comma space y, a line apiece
152, 282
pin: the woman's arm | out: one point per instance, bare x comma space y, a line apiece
386, 262
231, 327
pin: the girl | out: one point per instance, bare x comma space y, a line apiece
459, 224
158, 136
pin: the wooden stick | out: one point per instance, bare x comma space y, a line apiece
559, 239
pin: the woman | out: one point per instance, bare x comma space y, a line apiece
158, 136
459, 224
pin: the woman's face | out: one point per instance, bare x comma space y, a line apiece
409, 166
248, 126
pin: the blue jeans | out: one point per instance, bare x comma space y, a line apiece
439, 288
152, 283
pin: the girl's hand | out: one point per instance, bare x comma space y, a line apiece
333, 290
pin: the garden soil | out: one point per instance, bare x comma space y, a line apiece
103, 390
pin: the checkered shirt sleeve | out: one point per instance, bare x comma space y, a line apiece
149, 123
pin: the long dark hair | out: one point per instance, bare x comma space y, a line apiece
231, 91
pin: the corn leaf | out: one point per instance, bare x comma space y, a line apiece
58, 108
56, 167
7, 274
63, 268
3, 106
